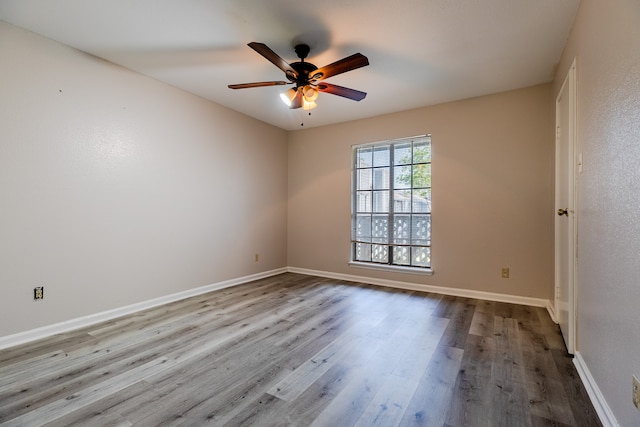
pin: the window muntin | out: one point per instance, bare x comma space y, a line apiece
392, 203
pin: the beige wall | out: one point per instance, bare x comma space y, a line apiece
606, 42
115, 188
492, 192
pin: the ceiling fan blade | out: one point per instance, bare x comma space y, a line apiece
346, 92
273, 57
349, 63
257, 84
296, 102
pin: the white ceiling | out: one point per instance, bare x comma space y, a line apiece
421, 52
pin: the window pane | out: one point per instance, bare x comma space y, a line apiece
402, 201
380, 178
381, 201
422, 175
421, 256
421, 152
402, 177
364, 157
381, 155
363, 228
363, 252
402, 230
401, 255
421, 230
363, 201
364, 179
380, 253
402, 154
380, 228
422, 200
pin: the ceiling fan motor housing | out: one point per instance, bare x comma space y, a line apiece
304, 69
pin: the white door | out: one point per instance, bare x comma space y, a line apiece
565, 223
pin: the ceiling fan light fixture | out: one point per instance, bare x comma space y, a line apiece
310, 93
287, 97
308, 105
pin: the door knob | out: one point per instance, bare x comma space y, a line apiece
563, 212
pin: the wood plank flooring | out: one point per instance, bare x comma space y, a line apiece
296, 350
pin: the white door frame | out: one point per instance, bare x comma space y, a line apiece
568, 88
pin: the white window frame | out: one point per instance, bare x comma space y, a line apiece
392, 242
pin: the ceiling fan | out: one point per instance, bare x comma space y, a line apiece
307, 78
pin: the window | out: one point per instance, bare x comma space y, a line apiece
391, 211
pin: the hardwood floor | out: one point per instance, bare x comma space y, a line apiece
296, 350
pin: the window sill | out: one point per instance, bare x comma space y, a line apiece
392, 268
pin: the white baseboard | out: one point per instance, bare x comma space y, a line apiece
468, 293
552, 311
597, 399
81, 322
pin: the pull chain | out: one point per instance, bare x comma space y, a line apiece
302, 121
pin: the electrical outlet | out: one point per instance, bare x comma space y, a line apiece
504, 273
38, 293
636, 392
257, 257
